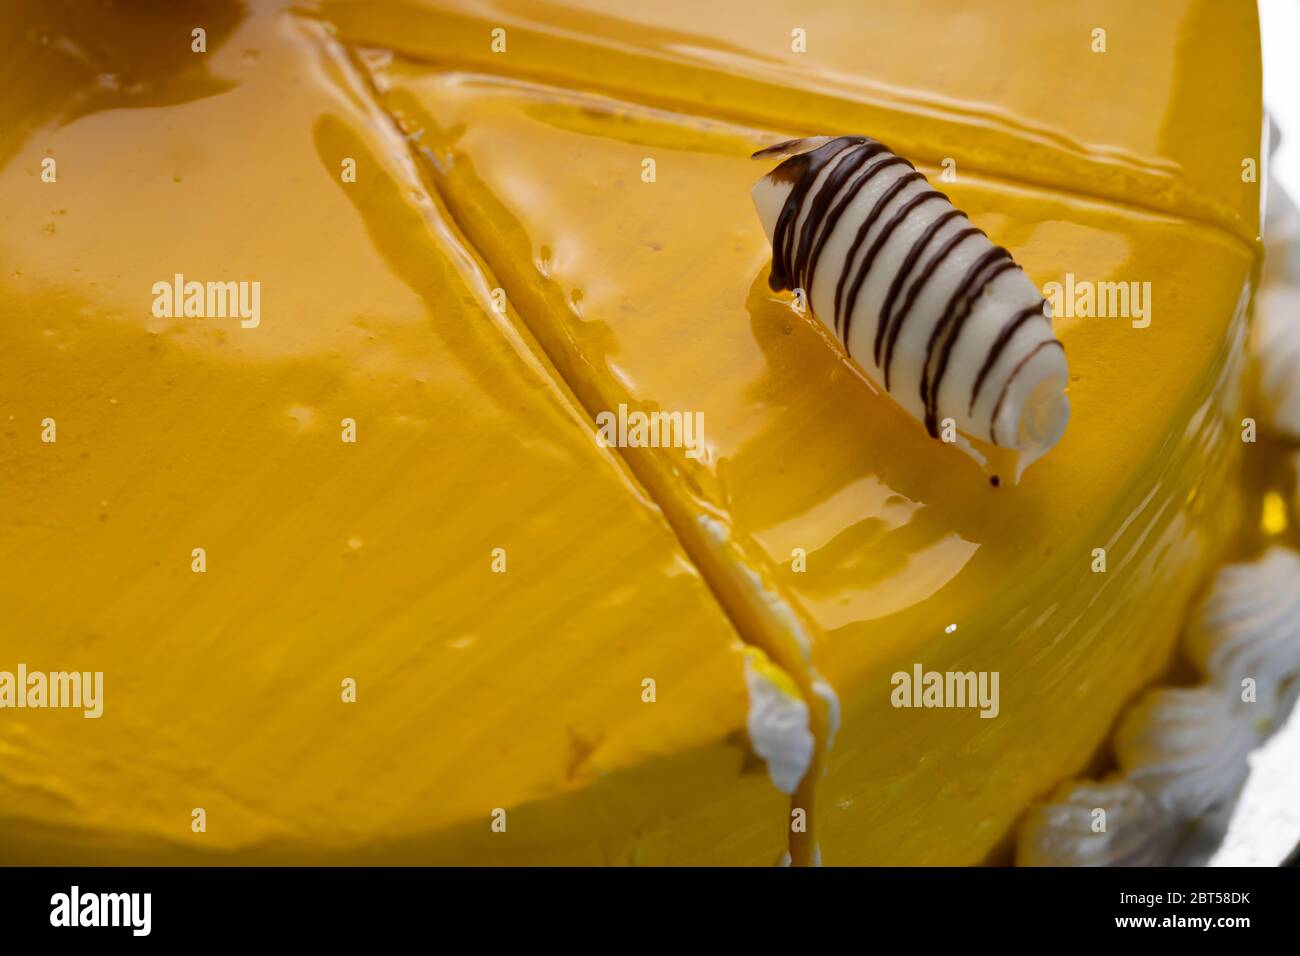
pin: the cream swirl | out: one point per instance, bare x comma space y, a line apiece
1183, 751
1277, 358
778, 723
1248, 627
1186, 747
1096, 824
1276, 340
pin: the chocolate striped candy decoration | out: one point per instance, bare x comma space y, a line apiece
930, 308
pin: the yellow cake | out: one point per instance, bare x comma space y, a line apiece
435, 617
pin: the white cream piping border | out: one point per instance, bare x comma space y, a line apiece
1183, 751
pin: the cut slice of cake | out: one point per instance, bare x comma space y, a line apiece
361, 584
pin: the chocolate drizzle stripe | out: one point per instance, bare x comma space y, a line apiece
904, 270
940, 330
883, 237
803, 170
1006, 386
825, 181
867, 152
999, 346
953, 242
844, 310
954, 333
853, 247
831, 151
776, 149
851, 160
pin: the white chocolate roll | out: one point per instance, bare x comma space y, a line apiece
932, 310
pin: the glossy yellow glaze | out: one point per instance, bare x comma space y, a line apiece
372, 560
1159, 111
654, 294
325, 560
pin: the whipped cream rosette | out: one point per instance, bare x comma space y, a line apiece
1184, 751
1276, 337
1087, 823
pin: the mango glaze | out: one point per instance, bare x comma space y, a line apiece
524, 171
